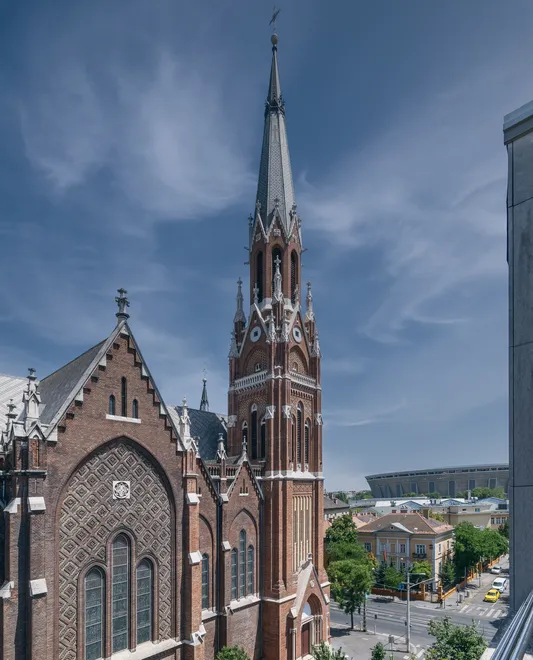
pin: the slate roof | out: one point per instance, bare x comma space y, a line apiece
11, 387
56, 388
330, 503
206, 426
414, 522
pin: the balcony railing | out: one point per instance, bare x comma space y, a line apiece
419, 555
514, 641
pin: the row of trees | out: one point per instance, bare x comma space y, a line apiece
474, 545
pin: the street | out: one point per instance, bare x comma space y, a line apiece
386, 617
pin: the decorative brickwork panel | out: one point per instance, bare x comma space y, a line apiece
90, 516
245, 404
257, 357
297, 362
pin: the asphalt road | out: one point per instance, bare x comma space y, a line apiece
386, 617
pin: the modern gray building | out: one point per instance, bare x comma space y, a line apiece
518, 137
448, 481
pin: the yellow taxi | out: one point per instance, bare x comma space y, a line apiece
492, 595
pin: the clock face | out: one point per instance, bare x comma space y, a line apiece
255, 334
297, 334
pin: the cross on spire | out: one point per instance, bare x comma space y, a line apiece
122, 303
275, 13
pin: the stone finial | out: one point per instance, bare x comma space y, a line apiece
233, 349
31, 398
221, 451
278, 292
239, 314
256, 294
185, 423
309, 315
122, 303
316, 346
204, 403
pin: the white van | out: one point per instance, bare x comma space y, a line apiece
500, 584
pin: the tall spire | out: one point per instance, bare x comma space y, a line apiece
204, 403
275, 191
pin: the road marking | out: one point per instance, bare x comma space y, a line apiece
464, 608
420, 653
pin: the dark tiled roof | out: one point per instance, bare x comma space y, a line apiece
331, 504
206, 426
56, 388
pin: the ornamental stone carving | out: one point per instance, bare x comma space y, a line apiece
270, 410
232, 420
286, 411
318, 419
90, 516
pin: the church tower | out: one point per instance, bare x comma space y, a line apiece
274, 401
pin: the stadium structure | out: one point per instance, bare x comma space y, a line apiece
448, 481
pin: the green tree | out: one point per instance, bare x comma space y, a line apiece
324, 652
455, 642
410, 495
493, 544
341, 495
447, 574
341, 542
435, 515
468, 547
422, 570
434, 496
392, 578
232, 653
350, 582
378, 652
504, 529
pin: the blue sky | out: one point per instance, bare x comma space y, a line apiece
131, 134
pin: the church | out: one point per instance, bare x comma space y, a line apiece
133, 528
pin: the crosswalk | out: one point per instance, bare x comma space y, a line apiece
483, 612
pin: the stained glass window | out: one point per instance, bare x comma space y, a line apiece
234, 574
145, 587
242, 564
120, 594
250, 570
205, 582
94, 614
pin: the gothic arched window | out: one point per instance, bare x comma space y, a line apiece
254, 433
94, 588
234, 574
259, 275
299, 435
112, 405
205, 582
294, 271
306, 441
244, 433
263, 439
135, 409
124, 397
145, 590
120, 593
250, 570
242, 564
292, 445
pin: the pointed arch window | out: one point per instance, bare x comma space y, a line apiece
124, 397
294, 271
263, 439
292, 446
145, 588
299, 435
112, 405
259, 275
254, 432
242, 564
120, 593
250, 567
276, 254
205, 582
306, 441
94, 614
244, 433
234, 574
135, 409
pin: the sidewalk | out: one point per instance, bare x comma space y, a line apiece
358, 645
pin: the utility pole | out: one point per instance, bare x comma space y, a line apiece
408, 635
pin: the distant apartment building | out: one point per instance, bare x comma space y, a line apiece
404, 538
448, 482
334, 508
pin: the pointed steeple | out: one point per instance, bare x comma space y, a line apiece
239, 313
275, 191
204, 403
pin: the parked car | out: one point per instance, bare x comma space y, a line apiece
492, 595
496, 570
500, 584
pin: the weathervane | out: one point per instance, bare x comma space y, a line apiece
273, 19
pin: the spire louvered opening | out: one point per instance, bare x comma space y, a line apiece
294, 271
299, 436
259, 275
254, 434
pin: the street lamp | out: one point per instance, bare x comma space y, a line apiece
408, 587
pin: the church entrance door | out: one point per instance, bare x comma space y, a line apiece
306, 638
